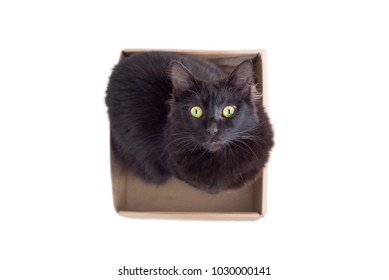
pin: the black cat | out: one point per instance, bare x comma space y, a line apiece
178, 114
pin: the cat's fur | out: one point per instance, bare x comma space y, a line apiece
149, 97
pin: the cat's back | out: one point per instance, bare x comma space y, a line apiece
137, 92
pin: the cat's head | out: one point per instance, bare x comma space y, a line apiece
213, 114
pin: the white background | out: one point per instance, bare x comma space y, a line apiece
328, 66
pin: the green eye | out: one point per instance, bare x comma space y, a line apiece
228, 111
196, 112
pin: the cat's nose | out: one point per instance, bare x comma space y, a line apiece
212, 129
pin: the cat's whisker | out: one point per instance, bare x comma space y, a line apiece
242, 142
181, 144
177, 142
235, 144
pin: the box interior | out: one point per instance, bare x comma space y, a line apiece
135, 198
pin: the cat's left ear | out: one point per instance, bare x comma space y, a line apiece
181, 77
242, 77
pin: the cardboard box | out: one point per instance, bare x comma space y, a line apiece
134, 198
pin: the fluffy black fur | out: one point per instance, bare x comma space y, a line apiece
149, 97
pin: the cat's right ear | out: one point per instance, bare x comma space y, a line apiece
243, 76
181, 77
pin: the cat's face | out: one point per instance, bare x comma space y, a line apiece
213, 114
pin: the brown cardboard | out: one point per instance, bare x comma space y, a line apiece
134, 198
